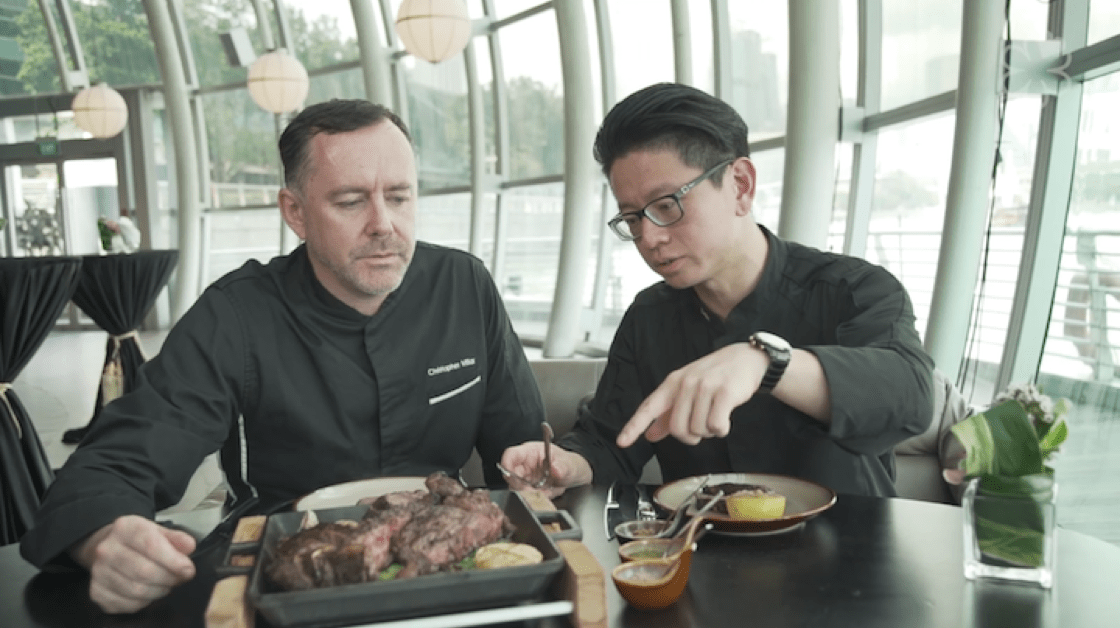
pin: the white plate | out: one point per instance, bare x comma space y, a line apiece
804, 500
348, 493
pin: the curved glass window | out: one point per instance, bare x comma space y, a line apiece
921, 50
533, 218
444, 219
206, 22
323, 32
27, 63
760, 65
1104, 20
241, 138
770, 167
116, 42
439, 121
536, 96
908, 204
642, 34
506, 8
1084, 337
342, 84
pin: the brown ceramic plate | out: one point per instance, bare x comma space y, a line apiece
804, 500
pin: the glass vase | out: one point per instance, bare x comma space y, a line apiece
1009, 528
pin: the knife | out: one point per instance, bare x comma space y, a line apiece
646, 510
612, 516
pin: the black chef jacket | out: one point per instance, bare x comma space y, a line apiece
854, 316
300, 391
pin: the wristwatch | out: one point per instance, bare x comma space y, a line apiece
779, 351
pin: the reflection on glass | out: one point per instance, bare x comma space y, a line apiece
1012, 191
642, 33
760, 65
921, 50
439, 122
236, 236
506, 8
1104, 20
444, 219
849, 50
116, 42
908, 205
770, 167
323, 31
241, 138
90, 193
33, 213
342, 84
1082, 347
842, 186
206, 21
43, 126
536, 96
1084, 335
533, 219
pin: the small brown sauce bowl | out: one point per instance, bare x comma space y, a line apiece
649, 549
640, 529
653, 583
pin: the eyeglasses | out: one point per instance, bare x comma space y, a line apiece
662, 211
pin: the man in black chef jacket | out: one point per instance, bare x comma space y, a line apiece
362, 353
754, 354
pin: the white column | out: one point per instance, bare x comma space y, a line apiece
682, 42
373, 55
580, 122
812, 122
177, 100
966, 210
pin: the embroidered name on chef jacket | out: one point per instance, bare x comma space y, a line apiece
448, 368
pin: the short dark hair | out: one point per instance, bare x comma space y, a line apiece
703, 129
330, 117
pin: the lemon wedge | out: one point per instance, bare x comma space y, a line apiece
755, 505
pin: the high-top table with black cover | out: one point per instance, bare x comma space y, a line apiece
33, 293
117, 291
867, 562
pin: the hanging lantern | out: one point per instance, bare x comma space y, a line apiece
99, 110
433, 29
278, 82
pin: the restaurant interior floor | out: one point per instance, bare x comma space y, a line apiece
59, 387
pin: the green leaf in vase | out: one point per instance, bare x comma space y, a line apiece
1000, 441
1010, 519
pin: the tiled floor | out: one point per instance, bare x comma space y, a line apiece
59, 387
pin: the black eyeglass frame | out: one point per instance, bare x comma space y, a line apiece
614, 223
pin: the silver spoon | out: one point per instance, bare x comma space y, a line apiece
669, 531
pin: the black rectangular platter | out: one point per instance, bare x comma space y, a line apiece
433, 594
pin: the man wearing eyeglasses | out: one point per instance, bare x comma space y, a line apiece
753, 354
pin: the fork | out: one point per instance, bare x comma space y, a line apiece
546, 467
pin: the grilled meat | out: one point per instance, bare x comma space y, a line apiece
426, 531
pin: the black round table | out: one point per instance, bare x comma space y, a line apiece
866, 562
117, 291
33, 293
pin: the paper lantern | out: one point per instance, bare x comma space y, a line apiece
278, 82
433, 29
99, 110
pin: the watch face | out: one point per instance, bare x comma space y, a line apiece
774, 341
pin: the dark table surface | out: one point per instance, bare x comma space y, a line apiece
865, 562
